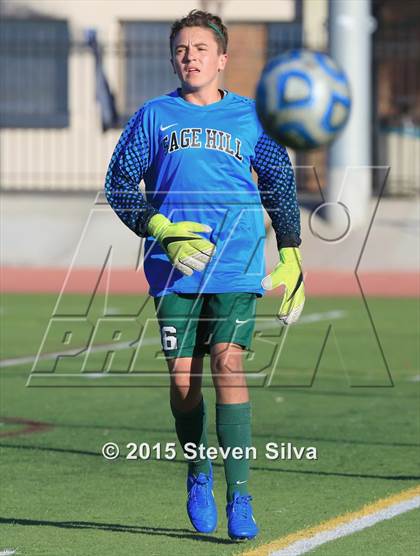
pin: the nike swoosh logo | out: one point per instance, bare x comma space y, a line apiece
240, 482
164, 128
240, 321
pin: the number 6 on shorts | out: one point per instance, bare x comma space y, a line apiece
169, 340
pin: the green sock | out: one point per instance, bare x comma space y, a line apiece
191, 426
233, 426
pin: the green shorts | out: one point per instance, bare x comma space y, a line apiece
190, 324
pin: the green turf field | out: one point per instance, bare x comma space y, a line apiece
330, 389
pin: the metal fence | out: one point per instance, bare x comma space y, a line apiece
54, 135
396, 106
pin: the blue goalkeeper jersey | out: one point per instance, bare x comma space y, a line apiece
196, 162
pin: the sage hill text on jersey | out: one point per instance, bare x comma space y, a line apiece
195, 137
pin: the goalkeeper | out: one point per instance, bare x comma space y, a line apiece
202, 217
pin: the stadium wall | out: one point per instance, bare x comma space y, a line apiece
75, 157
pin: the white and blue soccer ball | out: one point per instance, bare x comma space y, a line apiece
303, 99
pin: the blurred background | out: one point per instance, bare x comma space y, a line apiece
73, 73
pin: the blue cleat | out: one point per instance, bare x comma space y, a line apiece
201, 506
241, 522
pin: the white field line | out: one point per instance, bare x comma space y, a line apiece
271, 324
307, 544
305, 540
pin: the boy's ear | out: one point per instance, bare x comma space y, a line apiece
222, 62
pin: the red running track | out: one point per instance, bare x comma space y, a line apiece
85, 280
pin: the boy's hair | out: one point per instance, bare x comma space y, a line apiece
199, 18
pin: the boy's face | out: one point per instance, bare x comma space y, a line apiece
195, 58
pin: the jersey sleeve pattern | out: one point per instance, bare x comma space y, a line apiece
128, 165
277, 186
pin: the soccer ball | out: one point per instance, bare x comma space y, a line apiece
303, 99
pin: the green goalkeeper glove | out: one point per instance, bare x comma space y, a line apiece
288, 273
186, 250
